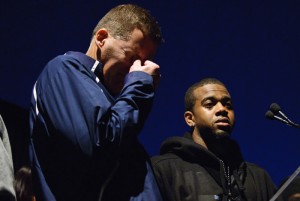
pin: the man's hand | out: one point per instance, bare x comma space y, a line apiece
149, 67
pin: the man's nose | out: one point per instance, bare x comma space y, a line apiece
221, 109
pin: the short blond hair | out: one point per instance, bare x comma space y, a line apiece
121, 20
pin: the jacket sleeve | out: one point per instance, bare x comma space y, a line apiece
265, 188
163, 172
72, 104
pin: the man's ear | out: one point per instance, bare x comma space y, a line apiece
189, 118
100, 37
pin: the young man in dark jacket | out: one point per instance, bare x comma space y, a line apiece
206, 164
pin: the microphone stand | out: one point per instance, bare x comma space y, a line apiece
291, 178
294, 125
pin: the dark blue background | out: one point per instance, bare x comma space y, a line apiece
253, 46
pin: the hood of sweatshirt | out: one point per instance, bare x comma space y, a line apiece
188, 150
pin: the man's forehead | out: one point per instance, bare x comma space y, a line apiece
211, 89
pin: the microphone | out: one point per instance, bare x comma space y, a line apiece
270, 115
276, 110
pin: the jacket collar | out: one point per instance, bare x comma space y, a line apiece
88, 62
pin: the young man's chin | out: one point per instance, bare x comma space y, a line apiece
222, 134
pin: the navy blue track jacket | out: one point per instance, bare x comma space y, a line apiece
84, 141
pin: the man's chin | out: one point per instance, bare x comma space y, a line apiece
222, 134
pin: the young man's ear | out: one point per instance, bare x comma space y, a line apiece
189, 118
100, 37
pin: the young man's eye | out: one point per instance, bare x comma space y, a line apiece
209, 105
229, 105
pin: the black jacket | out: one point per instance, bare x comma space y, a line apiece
187, 171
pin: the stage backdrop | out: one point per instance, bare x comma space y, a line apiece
253, 46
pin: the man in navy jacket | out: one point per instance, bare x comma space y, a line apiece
88, 109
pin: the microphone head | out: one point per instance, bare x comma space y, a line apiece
275, 108
269, 115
